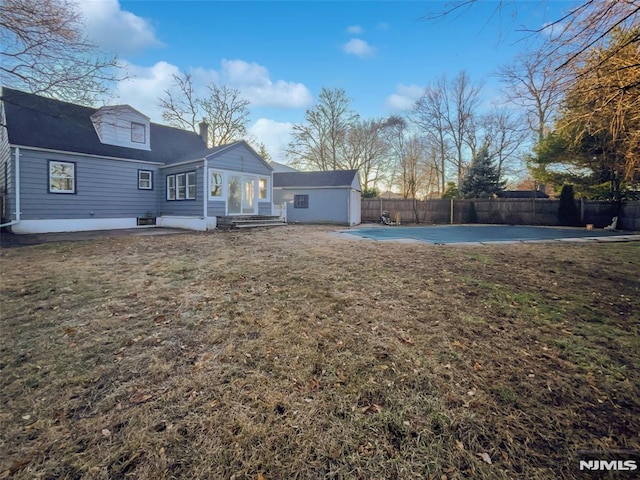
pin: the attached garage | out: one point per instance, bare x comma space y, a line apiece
318, 197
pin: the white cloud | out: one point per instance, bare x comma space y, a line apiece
404, 97
144, 86
382, 26
255, 84
116, 30
275, 136
358, 47
355, 30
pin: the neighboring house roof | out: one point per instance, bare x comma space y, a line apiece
389, 195
522, 194
34, 121
334, 178
281, 167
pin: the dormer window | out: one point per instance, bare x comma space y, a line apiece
123, 126
138, 133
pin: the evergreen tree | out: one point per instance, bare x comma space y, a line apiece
568, 213
451, 191
483, 179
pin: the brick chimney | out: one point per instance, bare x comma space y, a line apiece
204, 131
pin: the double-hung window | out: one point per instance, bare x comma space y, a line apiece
181, 186
62, 177
171, 187
145, 180
191, 185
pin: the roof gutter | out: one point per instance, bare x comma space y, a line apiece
17, 175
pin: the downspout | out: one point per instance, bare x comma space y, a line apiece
17, 168
205, 180
349, 206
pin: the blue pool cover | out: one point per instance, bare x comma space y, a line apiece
478, 233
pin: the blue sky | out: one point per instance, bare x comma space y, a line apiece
280, 54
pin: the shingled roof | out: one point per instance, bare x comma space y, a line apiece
333, 178
35, 121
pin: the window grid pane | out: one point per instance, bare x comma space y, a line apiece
191, 186
180, 187
171, 187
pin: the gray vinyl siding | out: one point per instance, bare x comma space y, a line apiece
264, 208
105, 188
5, 158
216, 208
326, 205
183, 208
239, 158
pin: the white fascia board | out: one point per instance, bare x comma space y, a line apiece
178, 164
346, 187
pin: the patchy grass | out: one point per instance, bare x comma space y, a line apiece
291, 353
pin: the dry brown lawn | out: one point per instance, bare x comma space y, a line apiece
293, 353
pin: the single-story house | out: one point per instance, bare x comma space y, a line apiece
319, 197
66, 167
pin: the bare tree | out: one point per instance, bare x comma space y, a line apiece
366, 150
180, 106
446, 112
504, 138
533, 84
44, 51
569, 39
429, 113
223, 109
319, 142
227, 114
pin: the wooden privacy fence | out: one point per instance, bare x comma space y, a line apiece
500, 211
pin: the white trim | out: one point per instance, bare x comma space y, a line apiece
78, 154
168, 188
187, 184
73, 225
222, 197
150, 172
179, 164
87, 224
205, 197
52, 177
201, 224
313, 188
